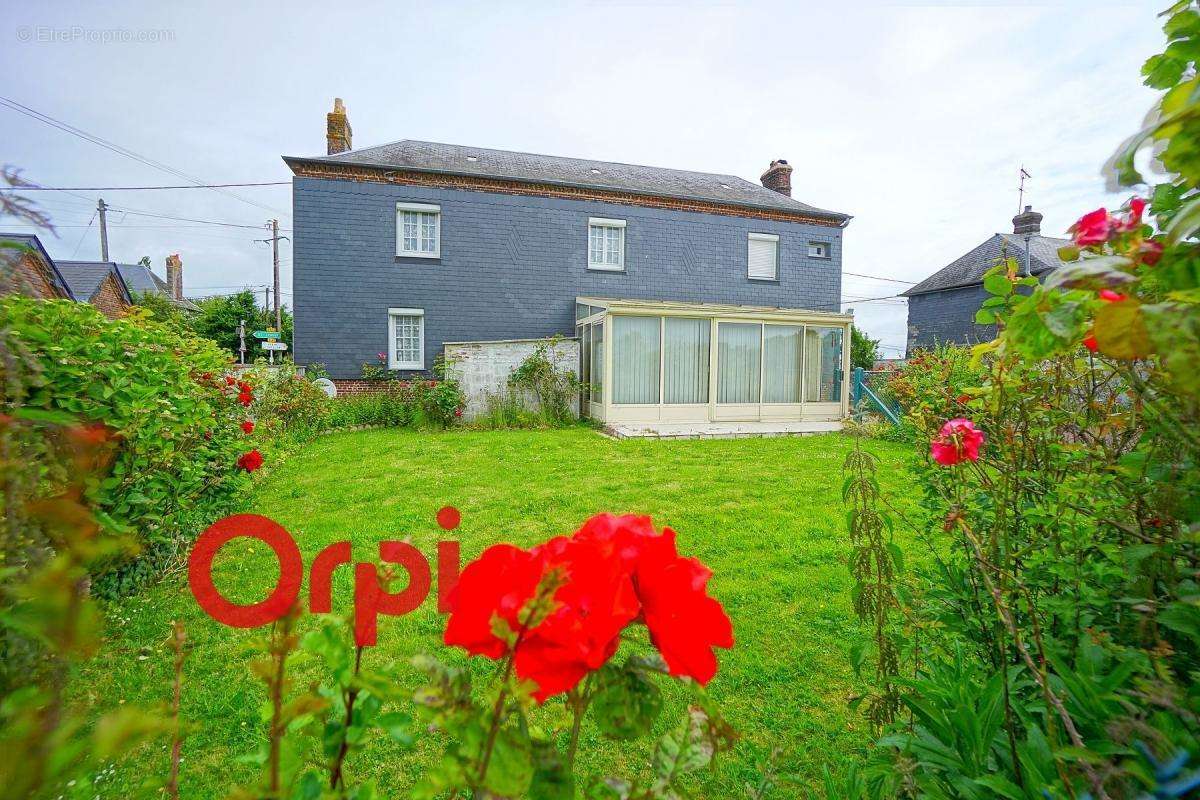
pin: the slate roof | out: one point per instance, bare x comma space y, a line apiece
968, 269
85, 277
140, 279
32, 241
454, 159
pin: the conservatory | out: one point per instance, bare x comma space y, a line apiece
655, 361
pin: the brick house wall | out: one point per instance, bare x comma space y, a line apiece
109, 298
947, 317
32, 277
512, 265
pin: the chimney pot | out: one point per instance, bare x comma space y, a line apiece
778, 177
1028, 222
175, 276
337, 129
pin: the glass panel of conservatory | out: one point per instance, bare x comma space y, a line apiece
823, 365
597, 370
739, 346
585, 358
781, 363
635, 359
685, 360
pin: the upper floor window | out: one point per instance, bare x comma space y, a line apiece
406, 338
606, 244
763, 259
818, 250
418, 230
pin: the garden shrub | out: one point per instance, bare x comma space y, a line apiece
554, 391
508, 409
393, 405
159, 392
288, 405
1047, 643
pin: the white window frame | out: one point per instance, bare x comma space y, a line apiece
762, 237
601, 222
823, 245
420, 208
405, 312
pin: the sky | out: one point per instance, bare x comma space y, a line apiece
914, 118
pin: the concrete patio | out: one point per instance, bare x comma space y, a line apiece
718, 430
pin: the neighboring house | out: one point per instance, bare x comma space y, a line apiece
98, 283
941, 308
140, 279
29, 270
698, 280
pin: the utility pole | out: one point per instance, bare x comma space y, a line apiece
266, 298
275, 261
103, 229
241, 341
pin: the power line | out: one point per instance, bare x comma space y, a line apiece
143, 188
123, 151
85, 233
878, 278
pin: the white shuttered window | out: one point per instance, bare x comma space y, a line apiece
763, 259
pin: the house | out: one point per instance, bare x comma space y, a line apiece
690, 296
941, 308
98, 283
142, 280
29, 270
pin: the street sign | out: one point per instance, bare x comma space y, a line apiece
274, 346
266, 334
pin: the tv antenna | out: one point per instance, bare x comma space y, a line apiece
1021, 190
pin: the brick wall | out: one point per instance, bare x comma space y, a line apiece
109, 299
947, 317
511, 266
348, 387
483, 368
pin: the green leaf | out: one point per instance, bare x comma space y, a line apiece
510, 770
1120, 330
551, 778
1101, 272
984, 317
1185, 223
998, 284
627, 704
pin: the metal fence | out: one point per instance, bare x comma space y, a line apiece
865, 394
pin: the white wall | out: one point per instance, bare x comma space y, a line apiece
483, 367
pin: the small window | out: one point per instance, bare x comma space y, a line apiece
606, 244
418, 230
763, 260
406, 338
818, 250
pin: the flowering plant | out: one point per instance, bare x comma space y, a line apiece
554, 617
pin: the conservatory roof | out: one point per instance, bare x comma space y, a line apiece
676, 307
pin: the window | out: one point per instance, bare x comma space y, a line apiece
606, 244
739, 352
635, 359
763, 259
685, 360
406, 338
781, 363
818, 250
823, 365
418, 230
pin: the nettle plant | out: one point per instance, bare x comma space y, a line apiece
1050, 633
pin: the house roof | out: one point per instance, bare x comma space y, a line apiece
968, 269
141, 279
451, 159
31, 241
86, 277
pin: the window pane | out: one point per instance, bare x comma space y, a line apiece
781, 364
763, 258
635, 359
823, 365
408, 339
685, 360
738, 355
597, 362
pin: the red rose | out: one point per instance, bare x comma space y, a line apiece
1150, 252
458, 412
229, 381
498, 583
1109, 296
1089, 342
245, 398
685, 623
1133, 218
1093, 228
247, 427
958, 440
250, 461
244, 387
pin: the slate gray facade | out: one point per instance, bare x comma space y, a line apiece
512, 265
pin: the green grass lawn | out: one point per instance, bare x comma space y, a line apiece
765, 514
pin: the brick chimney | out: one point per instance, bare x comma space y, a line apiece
1028, 222
175, 276
337, 128
778, 177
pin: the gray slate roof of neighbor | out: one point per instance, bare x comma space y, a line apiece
140, 279
452, 159
968, 269
32, 241
85, 277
